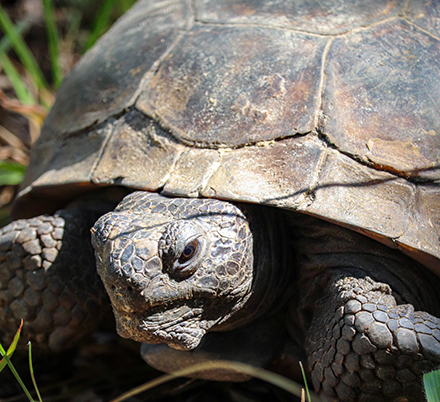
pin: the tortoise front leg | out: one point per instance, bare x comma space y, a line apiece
48, 276
362, 346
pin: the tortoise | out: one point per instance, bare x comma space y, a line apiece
264, 178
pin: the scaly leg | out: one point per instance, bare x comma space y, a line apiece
48, 276
362, 346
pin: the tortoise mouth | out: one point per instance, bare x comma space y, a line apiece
181, 325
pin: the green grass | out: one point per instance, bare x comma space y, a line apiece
22, 50
11, 173
431, 381
53, 41
17, 82
32, 89
105, 16
306, 386
6, 362
268, 376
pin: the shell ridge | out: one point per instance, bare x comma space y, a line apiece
104, 145
409, 22
371, 164
310, 194
177, 135
322, 81
231, 24
174, 162
151, 73
212, 169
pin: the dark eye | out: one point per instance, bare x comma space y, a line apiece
189, 251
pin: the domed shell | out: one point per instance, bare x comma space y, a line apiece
329, 108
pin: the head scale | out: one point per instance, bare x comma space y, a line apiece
174, 268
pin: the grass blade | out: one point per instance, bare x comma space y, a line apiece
6, 358
21, 27
305, 381
11, 173
125, 5
18, 84
101, 22
431, 382
12, 347
14, 371
53, 41
262, 374
31, 369
23, 52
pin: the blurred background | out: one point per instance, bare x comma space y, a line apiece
40, 41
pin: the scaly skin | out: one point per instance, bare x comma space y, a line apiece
364, 347
48, 276
159, 294
199, 273
368, 335
363, 338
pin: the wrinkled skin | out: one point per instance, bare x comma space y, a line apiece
194, 258
214, 280
177, 268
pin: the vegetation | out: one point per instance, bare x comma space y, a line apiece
270, 377
69, 30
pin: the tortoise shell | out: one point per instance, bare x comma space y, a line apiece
329, 108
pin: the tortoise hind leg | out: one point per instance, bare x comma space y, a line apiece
362, 346
48, 277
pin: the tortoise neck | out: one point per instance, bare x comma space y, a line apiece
272, 273
324, 248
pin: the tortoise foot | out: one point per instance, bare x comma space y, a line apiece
362, 346
48, 278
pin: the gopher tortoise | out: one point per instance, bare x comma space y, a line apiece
276, 165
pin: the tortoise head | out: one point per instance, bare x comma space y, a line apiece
174, 268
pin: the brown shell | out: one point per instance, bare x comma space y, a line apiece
329, 110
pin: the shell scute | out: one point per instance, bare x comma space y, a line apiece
107, 78
241, 86
320, 17
379, 104
328, 111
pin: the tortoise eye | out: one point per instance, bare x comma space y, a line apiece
189, 251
